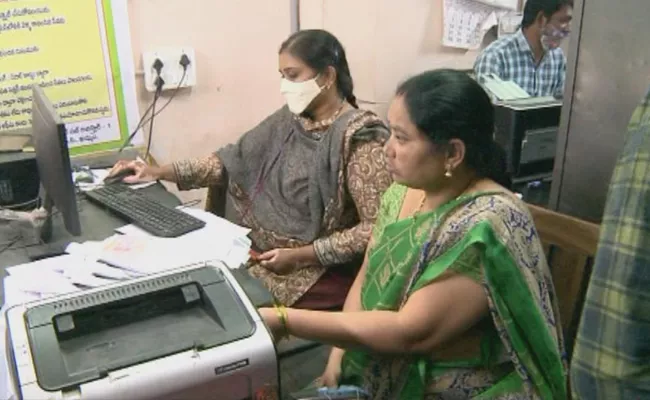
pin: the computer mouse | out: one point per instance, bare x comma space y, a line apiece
119, 176
84, 177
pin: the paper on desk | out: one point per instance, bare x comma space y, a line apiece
13, 294
90, 273
219, 239
88, 251
61, 274
149, 255
40, 277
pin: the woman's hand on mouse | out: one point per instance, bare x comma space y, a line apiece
142, 171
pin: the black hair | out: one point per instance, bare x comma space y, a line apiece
447, 104
320, 49
548, 7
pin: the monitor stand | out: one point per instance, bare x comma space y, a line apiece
46, 229
43, 233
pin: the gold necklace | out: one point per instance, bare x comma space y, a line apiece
314, 126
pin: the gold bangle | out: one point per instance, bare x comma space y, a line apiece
283, 317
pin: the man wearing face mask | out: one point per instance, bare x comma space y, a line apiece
307, 180
531, 57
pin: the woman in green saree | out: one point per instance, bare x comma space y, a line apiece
454, 299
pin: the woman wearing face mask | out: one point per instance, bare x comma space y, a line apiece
307, 180
454, 299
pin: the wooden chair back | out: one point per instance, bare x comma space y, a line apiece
570, 245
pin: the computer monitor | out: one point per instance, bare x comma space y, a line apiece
51, 145
528, 133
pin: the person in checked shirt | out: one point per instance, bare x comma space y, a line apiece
611, 358
531, 57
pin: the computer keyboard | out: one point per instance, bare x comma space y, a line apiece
146, 213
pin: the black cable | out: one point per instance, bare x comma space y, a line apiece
157, 65
184, 62
169, 100
20, 205
137, 127
160, 84
8, 245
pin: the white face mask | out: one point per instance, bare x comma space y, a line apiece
552, 37
299, 95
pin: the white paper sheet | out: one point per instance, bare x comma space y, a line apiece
149, 255
49, 282
139, 251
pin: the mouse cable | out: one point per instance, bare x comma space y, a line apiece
169, 100
149, 120
184, 62
158, 66
159, 85
137, 128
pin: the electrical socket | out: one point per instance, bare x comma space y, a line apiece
172, 70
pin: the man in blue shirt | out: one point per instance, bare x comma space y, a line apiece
531, 57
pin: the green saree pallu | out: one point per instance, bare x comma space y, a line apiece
491, 238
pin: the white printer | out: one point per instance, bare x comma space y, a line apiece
190, 333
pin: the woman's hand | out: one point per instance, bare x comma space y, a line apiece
285, 261
272, 321
141, 171
332, 373
280, 261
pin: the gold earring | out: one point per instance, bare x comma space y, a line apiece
448, 171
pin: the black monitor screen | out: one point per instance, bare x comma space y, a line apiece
53, 159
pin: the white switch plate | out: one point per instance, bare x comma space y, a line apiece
172, 70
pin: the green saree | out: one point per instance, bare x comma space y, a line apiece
490, 238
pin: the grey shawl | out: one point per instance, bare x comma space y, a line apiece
289, 175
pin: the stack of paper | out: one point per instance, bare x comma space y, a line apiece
57, 275
123, 256
138, 250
